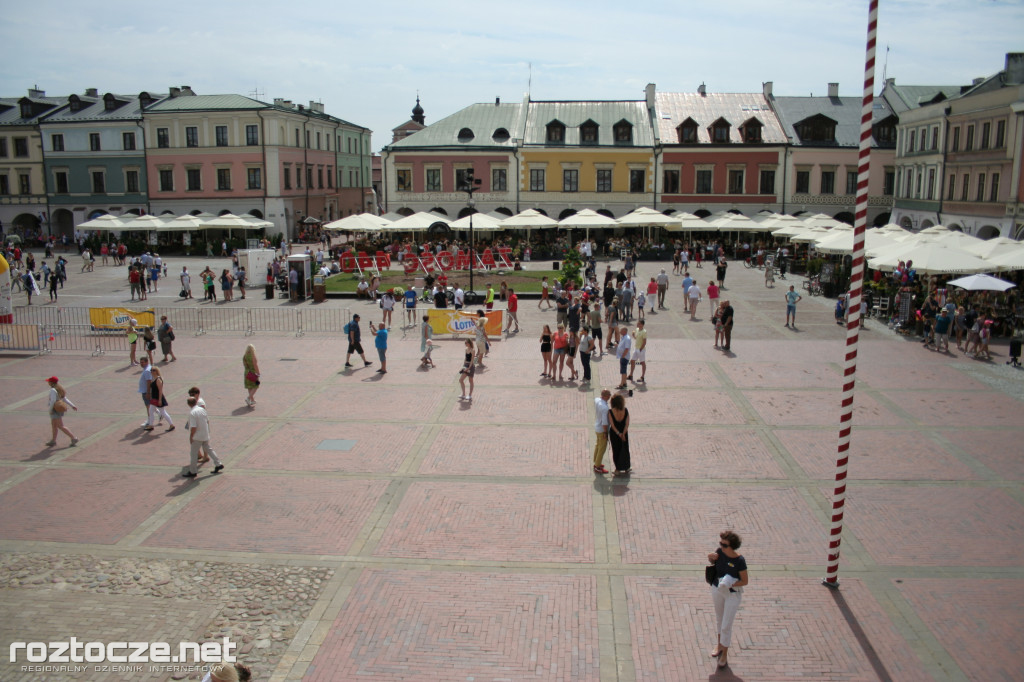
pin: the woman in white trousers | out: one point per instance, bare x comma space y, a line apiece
727, 590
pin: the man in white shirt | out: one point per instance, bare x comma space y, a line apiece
601, 430
662, 288
460, 297
622, 353
694, 294
199, 439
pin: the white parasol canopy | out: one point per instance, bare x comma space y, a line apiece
481, 221
808, 235
183, 223
992, 247
354, 223
841, 242
230, 221
530, 218
104, 222
1012, 260
929, 259
417, 222
588, 219
146, 223
648, 217
981, 283
821, 220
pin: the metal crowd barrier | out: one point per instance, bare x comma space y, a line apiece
78, 337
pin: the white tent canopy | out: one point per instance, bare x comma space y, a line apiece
230, 221
354, 223
481, 221
104, 222
530, 218
417, 222
588, 219
929, 259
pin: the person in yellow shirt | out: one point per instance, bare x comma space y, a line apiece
639, 352
489, 300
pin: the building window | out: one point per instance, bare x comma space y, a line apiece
24, 184
327, 142
670, 182
636, 181
61, 181
193, 180
908, 187
94, 142
166, 181
736, 181
5, 186
128, 141
536, 179
570, 180
464, 179
191, 136
994, 192
499, 180
951, 190
623, 131
555, 133
917, 191
99, 182
223, 178
956, 139
298, 177
803, 182
433, 179
767, 182
703, 182
403, 180
720, 132
298, 141
889, 184
931, 184
981, 187
221, 135
1000, 134
318, 139
330, 175
252, 135
604, 179
828, 182
935, 138
752, 131
851, 182
969, 145
309, 177
687, 131
131, 181
254, 178
163, 140
319, 177
20, 147
3, 147
287, 177
57, 142
588, 133
818, 128
986, 128
911, 140
966, 187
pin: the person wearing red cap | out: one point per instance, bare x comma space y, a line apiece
58, 404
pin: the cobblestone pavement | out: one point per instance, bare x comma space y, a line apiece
375, 527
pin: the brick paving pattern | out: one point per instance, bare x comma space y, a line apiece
792, 408
465, 626
377, 448
699, 453
998, 450
510, 451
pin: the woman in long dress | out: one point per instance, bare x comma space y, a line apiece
252, 374
618, 434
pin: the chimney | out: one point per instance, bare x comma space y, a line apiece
976, 81
35, 92
766, 88
287, 104
833, 90
279, 101
1014, 68
312, 105
702, 90
497, 101
175, 91
186, 90
92, 92
649, 96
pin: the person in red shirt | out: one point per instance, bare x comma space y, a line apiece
134, 281
513, 309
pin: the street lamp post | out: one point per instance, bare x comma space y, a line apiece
470, 186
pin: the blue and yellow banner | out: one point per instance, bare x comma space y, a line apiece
118, 318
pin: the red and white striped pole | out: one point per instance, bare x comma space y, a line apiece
856, 292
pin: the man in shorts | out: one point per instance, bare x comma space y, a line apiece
639, 352
622, 353
410, 307
792, 298
352, 330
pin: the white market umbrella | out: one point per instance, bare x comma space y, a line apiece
929, 259
353, 223
258, 223
793, 229
935, 229
1013, 260
821, 220
687, 223
230, 221
808, 235
481, 221
587, 219
104, 222
988, 248
183, 223
392, 217
145, 223
417, 222
649, 217
891, 228
840, 242
530, 219
981, 282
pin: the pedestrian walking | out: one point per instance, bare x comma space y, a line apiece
468, 371
570, 355
251, 375
240, 278
489, 297
545, 352
586, 347
769, 276
426, 342
622, 351
727, 322
145, 379
512, 308
544, 292
186, 283
387, 306
727, 590
54, 280
720, 272
380, 342
199, 439
694, 294
713, 294
595, 326
165, 335
601, 430
57, 404
639, 352
483, 343
687, 283
354, 345
410, 307
618, 434
149, 342
158, 401
792, 298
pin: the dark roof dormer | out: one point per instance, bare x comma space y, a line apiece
145, 99
501, 135
687, 131
623, 132
466, 135
588, 132
884, 131
75, 103
719, 131
750, 131
111, 102
31, 109
555, 132
817, 129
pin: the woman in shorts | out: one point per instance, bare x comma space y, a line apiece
57, 393
468, 371
560, 348
545, 353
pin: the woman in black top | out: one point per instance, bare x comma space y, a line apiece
618, 434
545, 352
467, 372
727, 562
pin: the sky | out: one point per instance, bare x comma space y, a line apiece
367, 61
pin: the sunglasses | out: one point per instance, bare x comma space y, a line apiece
724, 544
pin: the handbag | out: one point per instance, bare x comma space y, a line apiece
253, 377
710, 574
60, 407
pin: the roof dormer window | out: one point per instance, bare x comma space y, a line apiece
751, 131
500, 135
466, 135
26, 110
556, 132
588, 132
110, 102
817, 128
687, 131
719, 131
623, 131
74, 103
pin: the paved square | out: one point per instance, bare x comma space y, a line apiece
510, 451
272, 514
492, 522
698, 453
998, 449
821, 408
292, 446
416, 625
563, 405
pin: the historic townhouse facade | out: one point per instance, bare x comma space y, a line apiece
94, 158
959, 160
823, 138
22, 177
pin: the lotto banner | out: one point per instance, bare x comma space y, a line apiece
118, 318
19, 337
448, 321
